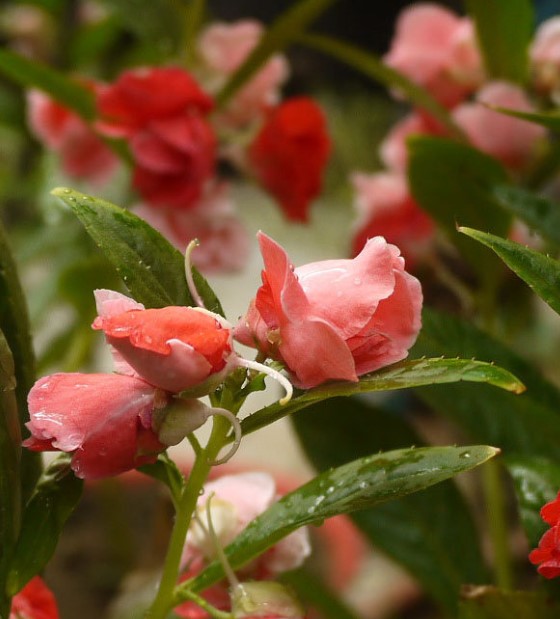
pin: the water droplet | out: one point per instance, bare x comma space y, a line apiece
363, 485
330, 489
465, 454
311, 510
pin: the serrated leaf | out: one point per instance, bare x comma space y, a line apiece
492, 603
441, 558
33, 74
527, 424
537, 481
401, 375
285, 29
150, 267
454, 183
357, 485
368, 64
539, 213
504, 30
539, 271
14, 323
56, 495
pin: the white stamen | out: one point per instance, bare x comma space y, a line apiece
265, 369
188, 273
222, 412
228, 570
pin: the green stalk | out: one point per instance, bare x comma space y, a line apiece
185, 508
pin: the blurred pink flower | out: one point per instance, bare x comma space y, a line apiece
223, 48
289, 155
172, 348
162, 113
386, 208
512, 141
437, 50
34, 601
224, 244
545, 58
83, 153
355, 316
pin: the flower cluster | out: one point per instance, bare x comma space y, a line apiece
163, 114
438, 50
547, 555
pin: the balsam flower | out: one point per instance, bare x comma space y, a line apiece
289, 155
547, 555
545, 58
335, 319
34, 601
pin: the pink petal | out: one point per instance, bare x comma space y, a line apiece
152, 153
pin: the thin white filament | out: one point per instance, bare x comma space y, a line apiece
265, 369
222, 412
188, 272
228, 570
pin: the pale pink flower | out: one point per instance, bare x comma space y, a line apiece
83, 153
336, 319
223, 48
386, 208
545, 58
437, 50
511, 140
224, 244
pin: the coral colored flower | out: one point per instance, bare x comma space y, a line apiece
223, 48
34, 601
547, 555
437, 50
289, 154
162, 113
224, 244
545, 58
511, 140
83, 154
172, 348
105, 420
387, 209
336, 319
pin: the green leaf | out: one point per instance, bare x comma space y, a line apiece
540, 214
167, 472
526, 424
357, 485
504, 30
14, 323
536, 481
492, 603
10, 461
539, 271
454, 184
54, 499
285, 29
397, 376
33, 74
369, 65
550, 120
151, 268
441, 558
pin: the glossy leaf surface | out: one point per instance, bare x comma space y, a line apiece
151, 268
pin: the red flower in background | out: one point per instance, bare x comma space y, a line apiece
289, 154
162, 113
548, 552
34, 601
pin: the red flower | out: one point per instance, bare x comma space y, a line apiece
289, 154
34, 601
548, 552
162, 113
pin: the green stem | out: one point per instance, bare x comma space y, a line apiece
497, 523
183, 516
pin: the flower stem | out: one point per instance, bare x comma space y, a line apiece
183, 516
497, 524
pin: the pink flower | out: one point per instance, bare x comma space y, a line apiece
105, 420
386, 208
289, 155
545, 58
223, 48
172, 348
437, 50
336, 319
224, 245
393, 150
172, 143
511, 140
83, 154
548, 552
34, 601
